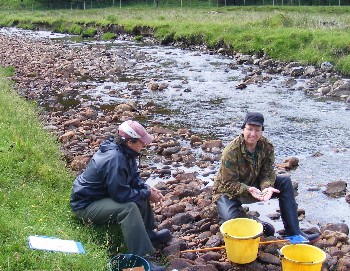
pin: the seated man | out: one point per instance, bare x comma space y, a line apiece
111, 190
247, 175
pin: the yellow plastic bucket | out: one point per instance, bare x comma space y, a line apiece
302, 257
242, 237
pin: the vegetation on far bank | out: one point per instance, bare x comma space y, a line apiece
35, 188
309, 35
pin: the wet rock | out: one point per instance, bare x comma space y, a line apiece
324, 90
171, 150
256, 266
153, 86
245, 59
241, 86
338, 227
297, 71
214, 241
344, 264
211, 256
172, 251
310, 71
269, 258
336, 189
80, 162
289, 163
326, 66
274, 216
171, 211
334, 235
347, 198
195, 139
72, 123
67, 136
186, 176
179, 264
181, 218
340, 87
210, 144
163, 86
162, 130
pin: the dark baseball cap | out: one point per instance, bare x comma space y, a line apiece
253, 118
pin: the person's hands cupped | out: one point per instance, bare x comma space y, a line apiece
267, 193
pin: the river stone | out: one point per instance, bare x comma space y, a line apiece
214, 241
172, 210
344, 264
347, 198
339, 227
179, 264
181, 218
269, 258
326, 66
171, 150
336, 189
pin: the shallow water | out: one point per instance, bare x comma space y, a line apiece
202, 96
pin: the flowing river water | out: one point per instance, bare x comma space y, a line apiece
202, 95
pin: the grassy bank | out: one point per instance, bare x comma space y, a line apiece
310, 35
34, 190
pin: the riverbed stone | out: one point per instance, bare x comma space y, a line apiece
336, 189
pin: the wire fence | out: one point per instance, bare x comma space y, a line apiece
95, 4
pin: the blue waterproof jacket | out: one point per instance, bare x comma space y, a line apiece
112, 172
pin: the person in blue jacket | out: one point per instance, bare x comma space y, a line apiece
111, 190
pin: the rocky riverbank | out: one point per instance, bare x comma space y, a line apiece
56, 75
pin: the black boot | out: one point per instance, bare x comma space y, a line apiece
268, 229
312, 237
289, 211
162, 236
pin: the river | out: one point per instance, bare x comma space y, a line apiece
202, 95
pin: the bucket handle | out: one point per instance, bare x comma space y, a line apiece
243, 238
280, 253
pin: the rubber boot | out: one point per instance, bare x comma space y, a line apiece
289, 209
162, 236
268, 229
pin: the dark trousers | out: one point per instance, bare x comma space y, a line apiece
232, 208
135, 221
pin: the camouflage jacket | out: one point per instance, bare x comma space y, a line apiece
238, 170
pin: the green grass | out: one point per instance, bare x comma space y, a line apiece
35, 187
309, 35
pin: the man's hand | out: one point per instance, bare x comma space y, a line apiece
264, 195
156, 196
255, 192
267, 193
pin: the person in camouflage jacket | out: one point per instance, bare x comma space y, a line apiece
247, 175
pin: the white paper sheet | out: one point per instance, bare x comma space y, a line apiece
55, 244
